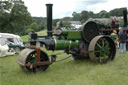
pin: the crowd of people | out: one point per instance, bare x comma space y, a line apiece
120, 39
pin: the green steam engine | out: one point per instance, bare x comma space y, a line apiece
88, 42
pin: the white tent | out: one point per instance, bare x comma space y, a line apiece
3, 47
4, 37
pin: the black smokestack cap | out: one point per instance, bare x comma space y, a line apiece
125, 17
49, 19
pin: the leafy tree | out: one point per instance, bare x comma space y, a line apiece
117, 12
66, 19
84, 16
21, 17
32, 27
55, 21
14, 17
76, 16
5, 7
41, 21
103, 14
91, 14
28, 30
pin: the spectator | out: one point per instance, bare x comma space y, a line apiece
122, 40
115, 37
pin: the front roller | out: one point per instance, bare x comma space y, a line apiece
33, 59
102, 49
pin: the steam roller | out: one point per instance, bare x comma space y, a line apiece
85, 42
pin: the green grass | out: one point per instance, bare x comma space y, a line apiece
68, 72
25, 37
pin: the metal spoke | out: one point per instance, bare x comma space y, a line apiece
106, 45
103, 43
98, 45
31, 67
105, 56
100, 59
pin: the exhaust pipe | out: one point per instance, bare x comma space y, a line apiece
49, 19
125, 17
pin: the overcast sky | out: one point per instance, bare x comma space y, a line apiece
62, 8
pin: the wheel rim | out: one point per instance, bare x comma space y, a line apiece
102, 49
31, 59
28, 56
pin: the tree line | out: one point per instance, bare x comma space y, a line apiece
84, 15
15, 18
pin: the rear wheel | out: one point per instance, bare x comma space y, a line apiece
102, 49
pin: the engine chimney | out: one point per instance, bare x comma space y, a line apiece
125, 17
49, 19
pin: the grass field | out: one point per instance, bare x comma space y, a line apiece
68, 72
